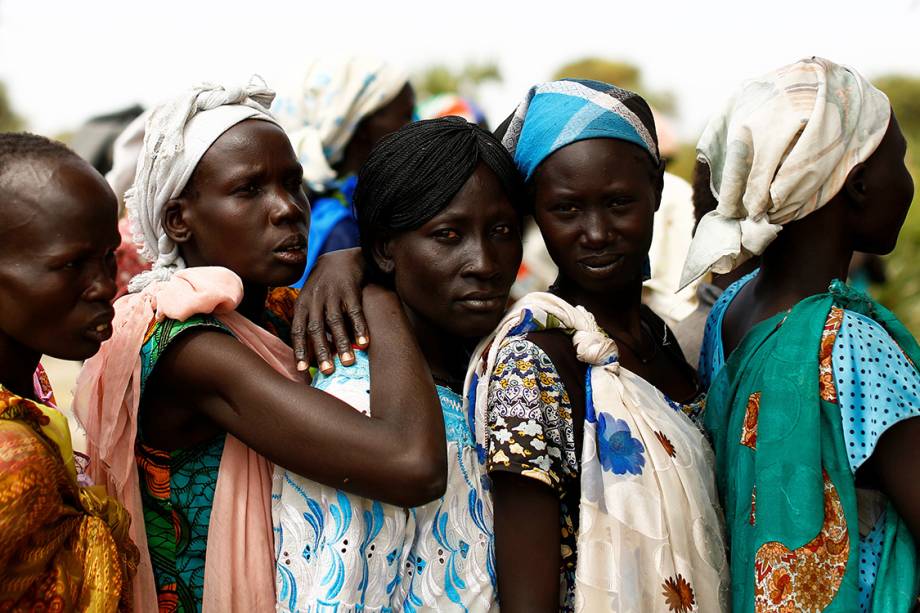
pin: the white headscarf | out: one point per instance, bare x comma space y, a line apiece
781, 149
176, 136
125, 152
334, 97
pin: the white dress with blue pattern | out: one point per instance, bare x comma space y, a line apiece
340, 552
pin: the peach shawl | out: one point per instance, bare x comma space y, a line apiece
106, 400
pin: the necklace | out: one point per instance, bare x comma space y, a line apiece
656, 346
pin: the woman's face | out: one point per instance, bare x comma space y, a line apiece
594, 201
57, 258
389, 118
888, 190
245, 208
457, 269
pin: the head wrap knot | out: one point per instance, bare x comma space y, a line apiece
781, 149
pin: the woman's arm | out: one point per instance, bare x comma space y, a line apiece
527, 548
397, 456
894, 464
526, 509
331, 294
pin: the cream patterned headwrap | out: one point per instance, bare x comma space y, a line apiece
781, 149
176, 136
334, 97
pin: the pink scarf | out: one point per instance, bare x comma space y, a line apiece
239, 566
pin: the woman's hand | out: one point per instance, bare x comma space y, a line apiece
331, 294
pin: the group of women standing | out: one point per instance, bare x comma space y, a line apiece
462, 455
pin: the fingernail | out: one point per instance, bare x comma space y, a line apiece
347, 357
362, 340
325, 365
301, 366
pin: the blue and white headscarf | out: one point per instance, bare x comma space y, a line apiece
559, 113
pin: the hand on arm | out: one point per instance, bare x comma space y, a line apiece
396, 456
331, 294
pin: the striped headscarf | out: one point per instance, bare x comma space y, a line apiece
559, 113
780, 149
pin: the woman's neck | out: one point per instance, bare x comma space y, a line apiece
617, 311
447, 356
17, 367
252, 306
805, 257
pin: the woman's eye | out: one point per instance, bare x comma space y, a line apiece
502, 229
565, 207
446, 234
250, 189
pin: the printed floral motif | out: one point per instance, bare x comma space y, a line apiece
678, 594
826, 388
666, 443
749, 429
807, 578
617, 450
531, 433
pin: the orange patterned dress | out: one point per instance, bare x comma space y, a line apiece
62, 547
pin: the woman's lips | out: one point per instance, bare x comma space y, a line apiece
483, 304
601, 264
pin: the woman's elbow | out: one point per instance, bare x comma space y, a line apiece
424, 476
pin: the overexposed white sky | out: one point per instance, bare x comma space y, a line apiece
64, 61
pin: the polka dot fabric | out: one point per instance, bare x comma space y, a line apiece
877, 386
870, 554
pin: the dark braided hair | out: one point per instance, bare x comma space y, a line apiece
415, 172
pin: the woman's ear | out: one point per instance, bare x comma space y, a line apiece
855, 185
174, 222
381, 250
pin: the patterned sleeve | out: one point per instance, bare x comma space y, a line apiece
875, 383
162, 333
530, 417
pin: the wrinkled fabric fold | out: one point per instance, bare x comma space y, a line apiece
780, 149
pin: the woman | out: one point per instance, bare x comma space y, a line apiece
63, 547
197, 392
813, 413
439, 203
601, 482
343, 109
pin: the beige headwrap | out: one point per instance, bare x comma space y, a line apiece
176, 136
334, 97
780, 149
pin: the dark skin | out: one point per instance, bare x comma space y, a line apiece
59, 221
454, 273
389, 118
245, 210
866, 215
313, 316
594, 202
